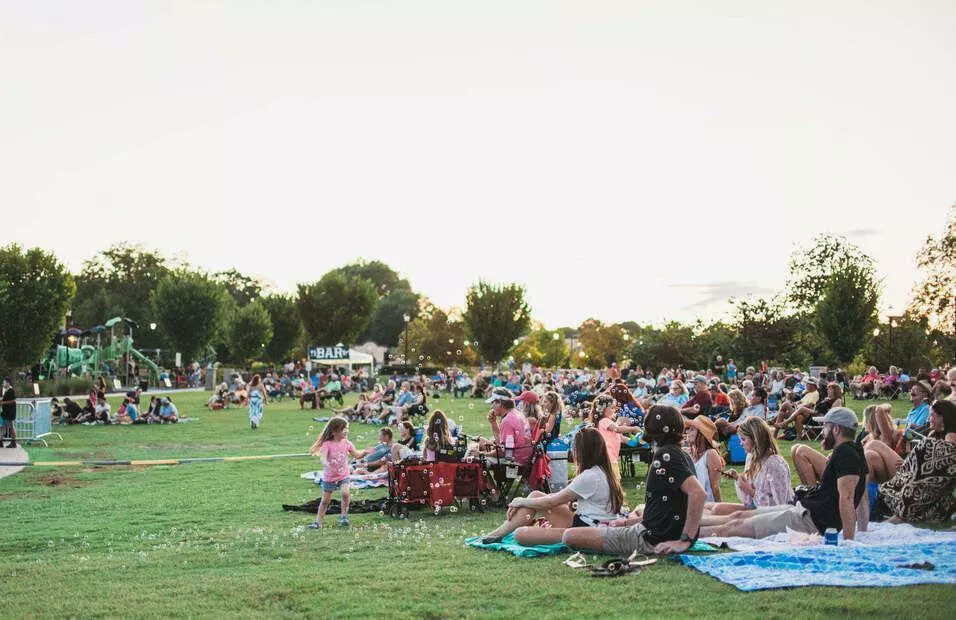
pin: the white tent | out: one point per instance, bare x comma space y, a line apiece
355, 358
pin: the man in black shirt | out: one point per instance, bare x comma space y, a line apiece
830, 503
674, 500
8, 411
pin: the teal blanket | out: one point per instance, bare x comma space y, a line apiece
508, 544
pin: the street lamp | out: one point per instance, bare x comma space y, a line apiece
406, 318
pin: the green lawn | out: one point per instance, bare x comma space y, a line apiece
211, 539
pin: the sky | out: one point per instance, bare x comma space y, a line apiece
630, 160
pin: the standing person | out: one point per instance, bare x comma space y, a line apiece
257, 401
335, 448
731, 371
8, 409
674, 499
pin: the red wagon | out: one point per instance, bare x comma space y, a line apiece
437, 485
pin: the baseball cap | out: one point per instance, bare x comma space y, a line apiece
528, 396
840, 416
499, 393
700, 379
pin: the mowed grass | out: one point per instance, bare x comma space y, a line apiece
211, 540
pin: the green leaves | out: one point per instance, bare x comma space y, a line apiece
286, 327
495, 316
337, 308
250, 330
35, 292
190, 308
846, 311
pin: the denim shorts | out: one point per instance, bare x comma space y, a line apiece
331, 486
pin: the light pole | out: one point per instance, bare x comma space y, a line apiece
406, 318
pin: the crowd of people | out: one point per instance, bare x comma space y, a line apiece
875, 469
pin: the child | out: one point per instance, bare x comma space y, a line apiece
334, 448
257, 398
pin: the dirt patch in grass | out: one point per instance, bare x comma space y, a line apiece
61, 480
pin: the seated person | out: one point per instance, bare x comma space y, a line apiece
765, 480
402, 399
603, 415
596, 490
307, 393
101, 412
512, 430
331, 391
701, 435
700, 403
407, 446
132, 411
757, 408
437, 439
56, 410
918, 417
838, 483
630, 412
674, 499
919, 488
72, 412
718, 395
377, 456
800, 412
168, 414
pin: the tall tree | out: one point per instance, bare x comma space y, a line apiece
437, 339
190, 308
337, 308
846, 311
286, 327
764, 332
118, 282
388, 322
250, 331
496, 315
810, 269
242, 287
934, 297
602, 343
385, 279
35, 292
543, 347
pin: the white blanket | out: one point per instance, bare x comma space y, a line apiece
877, 534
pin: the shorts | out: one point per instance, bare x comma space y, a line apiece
328, 487
625, 540
770, 520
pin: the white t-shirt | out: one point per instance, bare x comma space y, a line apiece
753, 411
594, 494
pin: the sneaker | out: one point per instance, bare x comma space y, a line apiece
315, 525
12, 444
344, 521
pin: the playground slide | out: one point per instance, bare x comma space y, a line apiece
145, 361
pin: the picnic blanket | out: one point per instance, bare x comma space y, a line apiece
508, 544
877, 534
356, 481
825, 565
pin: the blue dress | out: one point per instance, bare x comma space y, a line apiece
255, 405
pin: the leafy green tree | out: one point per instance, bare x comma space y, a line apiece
286, 327
764, 332
436, 339
388, 322
241, 287
672, 345
495, 316
846, 311
35, 292
337, 308
934, 296
191, 309
250, 331
602, 344
385, 279
543, 347
119, 282
811, 268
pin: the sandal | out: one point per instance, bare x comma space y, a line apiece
614, 568
577, 561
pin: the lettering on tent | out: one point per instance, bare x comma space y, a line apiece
329, 353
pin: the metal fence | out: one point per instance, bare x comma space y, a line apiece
34, 421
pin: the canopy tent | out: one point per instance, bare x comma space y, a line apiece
355, 358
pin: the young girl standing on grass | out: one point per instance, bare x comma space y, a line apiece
335, 448
257, 400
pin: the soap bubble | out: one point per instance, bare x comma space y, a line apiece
666, 456
471, 405
461, 418
458, 352
453, 508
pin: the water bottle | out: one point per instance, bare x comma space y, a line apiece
509, 447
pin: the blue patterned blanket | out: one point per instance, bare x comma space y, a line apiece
851, 566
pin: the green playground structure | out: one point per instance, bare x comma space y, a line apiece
90, 359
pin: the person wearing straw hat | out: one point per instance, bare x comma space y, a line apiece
701, 435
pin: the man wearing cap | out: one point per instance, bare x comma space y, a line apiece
830, 502
700, 403
512, 424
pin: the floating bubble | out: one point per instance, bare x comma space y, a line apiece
658, 416
667, 429
484, 502
381, 513
458, 352
311, 428
471, 405
453, 508
461, 418
671, 479
421, 357
666, 456
664, 498
676, 517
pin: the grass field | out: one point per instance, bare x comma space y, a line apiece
211, 539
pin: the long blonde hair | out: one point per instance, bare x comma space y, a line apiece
765, 445
738, 401
333, 426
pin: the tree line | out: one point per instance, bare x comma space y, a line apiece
826, 314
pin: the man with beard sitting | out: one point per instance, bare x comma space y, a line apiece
837, 487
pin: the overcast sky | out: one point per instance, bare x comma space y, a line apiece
624, 160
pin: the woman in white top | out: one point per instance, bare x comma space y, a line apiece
765, 480
596, 490
702, 439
